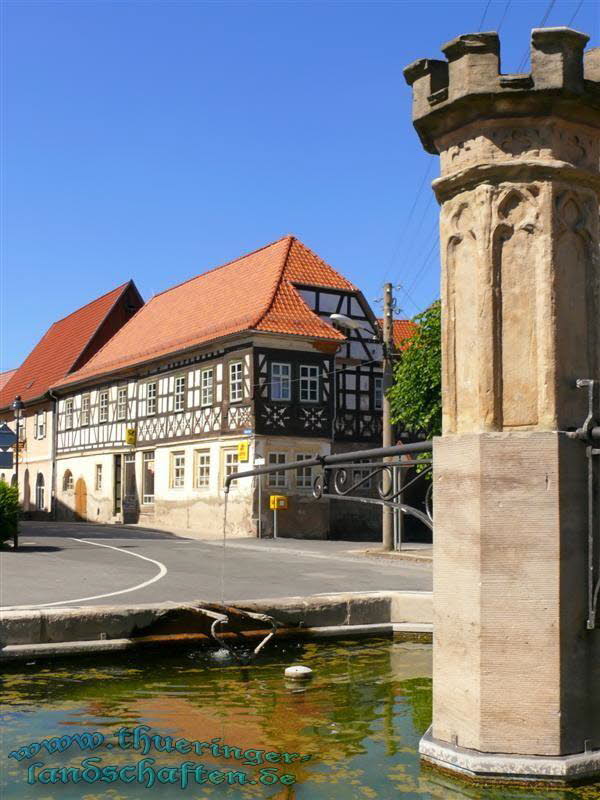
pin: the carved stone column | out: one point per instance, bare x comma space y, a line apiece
516, 672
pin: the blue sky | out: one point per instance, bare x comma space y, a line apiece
154, 140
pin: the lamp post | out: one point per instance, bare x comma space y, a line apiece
385, 338
17, 407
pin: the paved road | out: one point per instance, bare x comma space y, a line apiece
68, 564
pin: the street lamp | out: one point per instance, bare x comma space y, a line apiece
17, 407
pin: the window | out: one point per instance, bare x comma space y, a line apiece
151, 398
68, 481
148, 477
206, 387
22, 430
304, 475
39, 492
281, 388
103, 402
201, 469
180, 393
309, 384
177, 470
85, 409
69, 413
236, 387
98, 481
122, 402
277, 479
378, 393
230, 463
40, 425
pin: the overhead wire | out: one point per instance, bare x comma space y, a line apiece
504, 13
541, 25
484, 15
577, 10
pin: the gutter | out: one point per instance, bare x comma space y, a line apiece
53, 450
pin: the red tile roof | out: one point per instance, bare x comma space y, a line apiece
6, 376
60, 348
403, 329
254, 292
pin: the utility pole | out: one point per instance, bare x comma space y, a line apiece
388, 346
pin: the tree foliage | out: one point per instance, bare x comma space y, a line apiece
416, 394
9, 511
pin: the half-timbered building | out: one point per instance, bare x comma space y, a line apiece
65, 347
237, 364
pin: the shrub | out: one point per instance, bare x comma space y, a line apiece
9, 511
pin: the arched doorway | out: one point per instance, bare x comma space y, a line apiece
81, 499
40, 492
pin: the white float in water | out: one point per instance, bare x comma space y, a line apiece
298, 672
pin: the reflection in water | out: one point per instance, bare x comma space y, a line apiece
359, 720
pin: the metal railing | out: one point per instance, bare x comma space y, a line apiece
348, 476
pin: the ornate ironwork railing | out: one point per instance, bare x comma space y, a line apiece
376, 477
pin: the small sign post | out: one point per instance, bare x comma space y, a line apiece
277, 502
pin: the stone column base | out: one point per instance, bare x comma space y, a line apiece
507, 767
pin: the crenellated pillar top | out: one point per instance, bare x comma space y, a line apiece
468, 86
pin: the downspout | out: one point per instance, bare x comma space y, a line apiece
53, 449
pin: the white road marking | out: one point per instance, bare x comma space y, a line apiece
160, 574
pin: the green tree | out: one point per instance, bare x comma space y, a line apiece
416, 394
9, 511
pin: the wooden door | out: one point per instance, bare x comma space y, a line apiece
81, 499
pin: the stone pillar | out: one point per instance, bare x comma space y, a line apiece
516, 672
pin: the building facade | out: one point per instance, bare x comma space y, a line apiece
238, 364
67, 345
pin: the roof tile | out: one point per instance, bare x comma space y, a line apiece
253, 292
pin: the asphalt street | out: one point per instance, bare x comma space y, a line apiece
69, 564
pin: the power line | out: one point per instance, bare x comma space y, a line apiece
484, 14
577, 10
504, 13
408, 220
426, 260
541, 25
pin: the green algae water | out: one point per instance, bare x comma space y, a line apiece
243, 731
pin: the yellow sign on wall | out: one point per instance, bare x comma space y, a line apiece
278, 502
130, 437
243, 451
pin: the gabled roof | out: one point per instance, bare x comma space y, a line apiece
255, 292
403, 330
6, 376
63, 345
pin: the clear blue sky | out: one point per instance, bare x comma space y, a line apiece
153, 140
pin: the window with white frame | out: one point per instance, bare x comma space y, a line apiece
23, 429
98, 481
40, 425
122, 402
363, 477
206, 386
304, 475
178, 470
230, 463
378, 392
309, 384
85, 409
179, 393
201, 469
148, 477
103, 406
151, 398
68, 481
69, 413
281, 386
236, 382
277, 479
